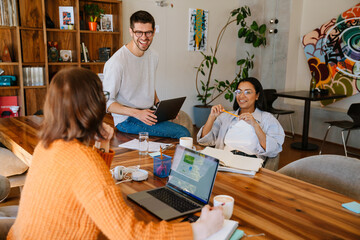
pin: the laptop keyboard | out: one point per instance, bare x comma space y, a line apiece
172, 199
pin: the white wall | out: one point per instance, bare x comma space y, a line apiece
306, 16
176, 73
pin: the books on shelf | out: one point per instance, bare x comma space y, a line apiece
234, 163
33, 76
84, 53
8, 13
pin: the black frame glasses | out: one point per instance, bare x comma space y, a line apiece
140, 33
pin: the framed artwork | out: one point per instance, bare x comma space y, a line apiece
198, 27
66, 17
333, 54
106, 23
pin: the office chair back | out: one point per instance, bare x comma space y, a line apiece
270, 98
354, 113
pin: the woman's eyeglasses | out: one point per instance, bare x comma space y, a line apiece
246, 92
106, 95
140, 33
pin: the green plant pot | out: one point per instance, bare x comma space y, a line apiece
201, 114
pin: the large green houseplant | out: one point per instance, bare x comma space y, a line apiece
209, 89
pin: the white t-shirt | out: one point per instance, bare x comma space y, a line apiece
130, 80
242, 137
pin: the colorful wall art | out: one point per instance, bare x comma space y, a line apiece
333, 54
198, 24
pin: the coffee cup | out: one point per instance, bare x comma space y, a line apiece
186, 142
227, 202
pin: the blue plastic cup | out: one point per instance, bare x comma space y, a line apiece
162, 166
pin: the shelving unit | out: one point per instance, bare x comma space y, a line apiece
28, 44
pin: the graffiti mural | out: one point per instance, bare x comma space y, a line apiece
333, 54
198, 29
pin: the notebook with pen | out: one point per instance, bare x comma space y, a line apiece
168, 109
188, 189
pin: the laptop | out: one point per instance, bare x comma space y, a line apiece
168, 109
188, 189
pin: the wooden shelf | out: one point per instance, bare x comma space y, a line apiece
28, 45
101, 1
33, 64
92, 63
34, 87
9, 88
9, 63
60, 30
98, 32
8, 27
62, 63
31, 28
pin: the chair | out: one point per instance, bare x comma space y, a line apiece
354, 113
272, 163
270, 99
334, 172
7, 213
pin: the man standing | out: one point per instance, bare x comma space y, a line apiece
129, 77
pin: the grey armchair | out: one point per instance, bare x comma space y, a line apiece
7, 213
334, 172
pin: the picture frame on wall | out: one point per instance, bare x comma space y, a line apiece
106, 23
66, 16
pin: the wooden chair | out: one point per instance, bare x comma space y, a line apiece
334, 172
270, 99
345, 125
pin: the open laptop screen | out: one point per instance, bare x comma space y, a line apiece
193, 173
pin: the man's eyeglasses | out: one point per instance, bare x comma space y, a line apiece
140, 33
246, 92
106, 95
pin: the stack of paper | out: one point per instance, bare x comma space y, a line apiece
234, 163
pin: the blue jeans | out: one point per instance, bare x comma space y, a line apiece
161, 129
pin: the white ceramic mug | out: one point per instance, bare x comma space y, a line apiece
186, 142
227, 202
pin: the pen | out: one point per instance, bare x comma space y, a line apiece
230, 113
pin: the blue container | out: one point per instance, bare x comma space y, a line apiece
162, 166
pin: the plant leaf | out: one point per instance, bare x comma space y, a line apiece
241, 62
215, 60
254, 26
262, 29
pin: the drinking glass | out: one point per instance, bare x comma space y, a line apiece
143, 143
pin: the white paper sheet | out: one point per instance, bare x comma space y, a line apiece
134, 144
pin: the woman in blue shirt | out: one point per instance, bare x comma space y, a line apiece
252, 132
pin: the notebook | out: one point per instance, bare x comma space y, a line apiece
188, 188
169, 109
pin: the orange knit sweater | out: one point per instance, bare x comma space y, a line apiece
69, 194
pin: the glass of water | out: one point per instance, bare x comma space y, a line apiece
143, 143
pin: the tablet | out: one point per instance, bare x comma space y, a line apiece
169, 109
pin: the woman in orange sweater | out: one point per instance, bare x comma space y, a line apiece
69, 192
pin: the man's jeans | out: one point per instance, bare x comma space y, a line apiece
161, 129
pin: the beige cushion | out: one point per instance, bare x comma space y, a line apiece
272, 163
184, 119
4, 187
334, 172
10, 164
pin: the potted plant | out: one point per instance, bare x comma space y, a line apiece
209, 89
94, 12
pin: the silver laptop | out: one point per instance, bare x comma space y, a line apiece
188, 189
168, 109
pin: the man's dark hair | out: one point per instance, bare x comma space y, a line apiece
142, 17
261, 102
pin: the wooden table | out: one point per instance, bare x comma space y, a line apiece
270, 203
308, 97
